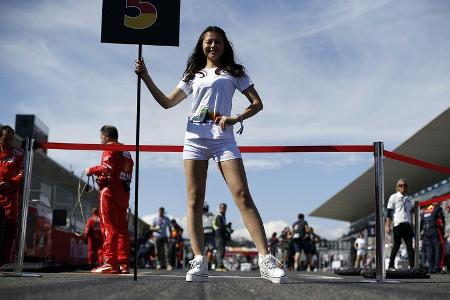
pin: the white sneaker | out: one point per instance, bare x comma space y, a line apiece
199, 269
271, 269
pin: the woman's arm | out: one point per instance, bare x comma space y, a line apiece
166, 102
255, 106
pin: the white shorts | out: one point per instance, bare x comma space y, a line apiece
204, 149
360, 252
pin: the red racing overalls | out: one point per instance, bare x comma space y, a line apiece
11, 172
113, 177
94, 235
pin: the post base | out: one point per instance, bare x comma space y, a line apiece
414, 273
19, 274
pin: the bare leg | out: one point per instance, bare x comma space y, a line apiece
234, 174
209, 257
308, 261
196, 173
297, 260
357, 261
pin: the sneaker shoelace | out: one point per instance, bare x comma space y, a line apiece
271, 262
194, 263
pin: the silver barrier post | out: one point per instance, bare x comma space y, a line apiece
28, 166
18, 268
416, 233
379, 204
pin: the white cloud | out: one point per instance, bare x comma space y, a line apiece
266, 163
269, 227
331, 232
338, 160
326, 160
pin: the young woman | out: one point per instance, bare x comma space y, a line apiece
361, 251
212, 76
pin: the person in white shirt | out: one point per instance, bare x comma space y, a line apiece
208, 233
399, 210
212, 76
361, 251
162, 227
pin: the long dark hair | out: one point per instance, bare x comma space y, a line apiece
197, 60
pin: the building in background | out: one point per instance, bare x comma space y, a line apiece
356, 202
56, 219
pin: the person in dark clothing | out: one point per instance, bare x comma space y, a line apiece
147, 251
222, 232
176, 244
301, 241
287, 247
273, 244
431, 224
314, 239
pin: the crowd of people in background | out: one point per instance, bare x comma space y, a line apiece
294, 242
162, 245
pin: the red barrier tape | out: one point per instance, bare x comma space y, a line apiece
416, 162
247, 149
171, 148
113, 147
435, 200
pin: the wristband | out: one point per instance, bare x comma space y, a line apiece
241, 130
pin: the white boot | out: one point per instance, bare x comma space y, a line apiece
271, 269
199, 269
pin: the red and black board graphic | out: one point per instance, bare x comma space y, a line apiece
147, 22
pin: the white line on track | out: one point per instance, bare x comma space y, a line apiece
306, 276
310, 276
151, 274
162, 275
210, 276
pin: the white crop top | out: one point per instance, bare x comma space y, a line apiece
212, 95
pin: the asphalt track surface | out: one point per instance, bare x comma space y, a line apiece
230, 285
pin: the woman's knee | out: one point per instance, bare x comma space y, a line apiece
243, 199
195, 199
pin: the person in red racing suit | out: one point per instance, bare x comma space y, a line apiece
113, 178
11, 173
94, 235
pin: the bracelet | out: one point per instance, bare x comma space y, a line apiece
241, 130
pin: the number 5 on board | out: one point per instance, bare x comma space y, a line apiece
146, 17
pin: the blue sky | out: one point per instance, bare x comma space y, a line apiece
328, 72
